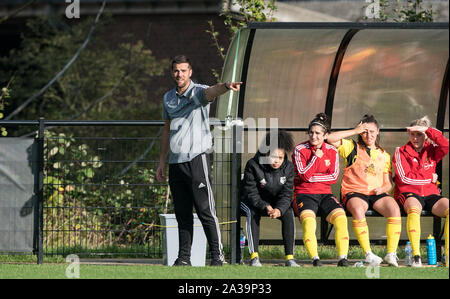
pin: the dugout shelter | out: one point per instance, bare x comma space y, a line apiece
292, 71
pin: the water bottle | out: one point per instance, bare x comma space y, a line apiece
431, 250
242, 244
408, 256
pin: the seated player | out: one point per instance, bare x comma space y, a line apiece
416, 180
317, 168
267, 189
366, 184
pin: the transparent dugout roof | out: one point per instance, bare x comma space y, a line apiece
292, 71
394, 74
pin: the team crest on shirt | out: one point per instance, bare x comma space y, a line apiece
282, 180
370, 169
327, 163
428, 164
262, 183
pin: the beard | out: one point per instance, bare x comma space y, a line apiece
182, 84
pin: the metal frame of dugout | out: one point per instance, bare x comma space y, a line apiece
237, 68
237, 103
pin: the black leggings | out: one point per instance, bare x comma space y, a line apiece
287, 229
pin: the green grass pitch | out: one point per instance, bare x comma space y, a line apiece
272, 271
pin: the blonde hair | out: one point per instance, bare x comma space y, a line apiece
424, 122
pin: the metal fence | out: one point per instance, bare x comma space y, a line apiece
98, 196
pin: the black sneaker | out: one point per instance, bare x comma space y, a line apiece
343, 263
216, 263
181, 262
317, 263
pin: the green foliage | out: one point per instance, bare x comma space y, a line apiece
4, 94
85, 203
87, 206
107, 80
249, 11
411, 11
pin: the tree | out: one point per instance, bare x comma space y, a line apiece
4, 94
105, 82
249, 11
411, 11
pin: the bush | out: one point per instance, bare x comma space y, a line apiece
87, 206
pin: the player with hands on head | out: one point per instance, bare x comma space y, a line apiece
416, 181
366, 184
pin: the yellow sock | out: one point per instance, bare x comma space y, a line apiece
308, 221
393, 231
362, 234
446, 238
289, 257
339, 220
413, 228
253, 255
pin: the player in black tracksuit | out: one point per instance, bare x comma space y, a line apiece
267, 189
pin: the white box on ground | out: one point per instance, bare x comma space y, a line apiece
170, 241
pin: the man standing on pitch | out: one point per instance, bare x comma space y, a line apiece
187, 139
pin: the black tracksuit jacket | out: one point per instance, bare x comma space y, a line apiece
262, 185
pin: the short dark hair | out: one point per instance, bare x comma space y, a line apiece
322, 120
180, 59
284, 139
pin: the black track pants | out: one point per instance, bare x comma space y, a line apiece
190, 185
252, 227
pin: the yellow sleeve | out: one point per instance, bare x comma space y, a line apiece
346, 148
387, 167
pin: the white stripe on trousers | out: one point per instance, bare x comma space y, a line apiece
212, 207
248, 227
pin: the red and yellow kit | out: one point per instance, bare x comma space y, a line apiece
413, 170
315, 175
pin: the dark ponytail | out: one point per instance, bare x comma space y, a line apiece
322, 120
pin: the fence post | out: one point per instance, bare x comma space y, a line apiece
236, 145
40, 191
